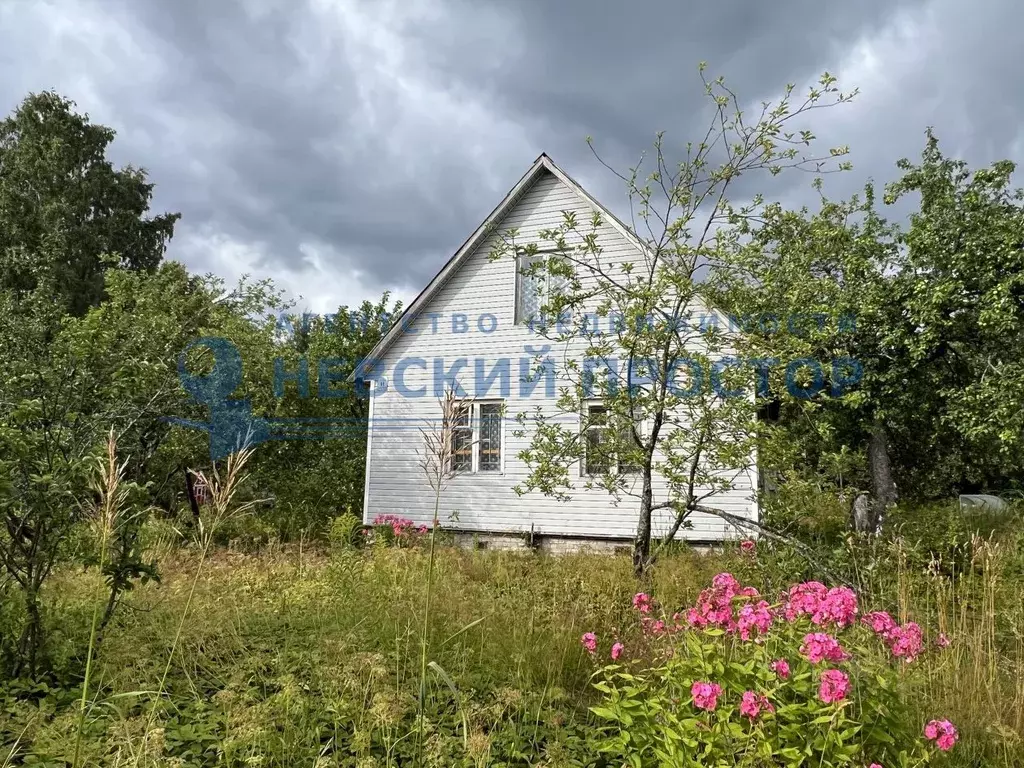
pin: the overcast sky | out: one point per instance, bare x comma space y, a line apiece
347, 147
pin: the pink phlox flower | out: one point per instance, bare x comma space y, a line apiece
617, 651
881, 622
754, 617
818, 647
705, 695
907, 641
781, 668
804, 599
642, 602
943, 733
834, 686
726, 582
752, 703
714, 605
942, 640
589, 641
748, 546
838, 606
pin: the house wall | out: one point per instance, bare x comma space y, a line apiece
486, 502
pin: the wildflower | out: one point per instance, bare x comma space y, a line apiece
781, 668
617, 651
714, 605
705, 695
752, 703
753, 617
942, 641
804, 599
880, 621
839, 607
906, 641
943, 733
834, 686
589, 641
726, 582
748, 546
818, 647
642, 602
874, 765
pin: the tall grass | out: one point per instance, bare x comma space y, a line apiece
277, 663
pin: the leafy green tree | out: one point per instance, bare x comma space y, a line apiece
70, 380
963, 283
931, 315
658, 373
66, 213
314, 480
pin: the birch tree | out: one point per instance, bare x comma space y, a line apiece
650, 405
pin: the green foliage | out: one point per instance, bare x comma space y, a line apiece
313, 481
655, 369
345, 532
934, 314
66, 214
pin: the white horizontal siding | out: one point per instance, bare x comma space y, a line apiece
396, 483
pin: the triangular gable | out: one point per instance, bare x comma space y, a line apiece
541, 165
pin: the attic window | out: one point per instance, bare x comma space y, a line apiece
535, 288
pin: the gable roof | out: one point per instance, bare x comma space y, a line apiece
543, 164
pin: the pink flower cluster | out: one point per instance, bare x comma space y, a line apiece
818, 647
834, 686
728, 605
589, 641
715, 607
825, 606
905, 641
399, 525
943, 733
752, 703
754, 617
643, 603
705, 695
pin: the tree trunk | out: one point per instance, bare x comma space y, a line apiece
883, 487
642, 543
30, 644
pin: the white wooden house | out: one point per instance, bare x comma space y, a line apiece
469, 311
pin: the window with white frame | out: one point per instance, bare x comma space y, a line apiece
600, 454
535, 288
477, 439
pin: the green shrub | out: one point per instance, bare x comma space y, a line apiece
345, 532
738, 681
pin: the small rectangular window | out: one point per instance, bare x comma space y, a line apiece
490, 437
477, 438
535, 289
596, 461
601, 454
462, 440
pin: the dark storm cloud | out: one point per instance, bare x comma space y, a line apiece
334, 141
